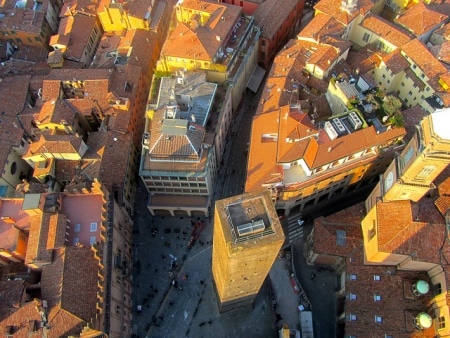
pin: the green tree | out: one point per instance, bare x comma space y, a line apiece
391, 105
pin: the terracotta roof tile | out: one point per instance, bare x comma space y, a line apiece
11, 294
108, 158
364, 59
333, 9
442, 52
201, 42
444, 187
397, 306
136, 43
412, 117
55, 111
421, 56
70, 282
85, 6
443, 204
352, 143
69, 285
399, 233
265, 155
396, 62
444, 31
13, 98
27, 312
420, 19
326, 229
78, 29
55, 144
386, 30
320, 26
22, 19
175, 137
324, 57
270, 15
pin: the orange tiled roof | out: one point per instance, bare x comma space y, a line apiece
325, 232
444, 187
55, 112
270, 15
442, 52
78, 27
70, 282
386, 30
399, 233
13, 98
444, 31
54, 144
352, 143
396, 62
399, 305
85, 6
294, 126
266, 153
421, 56
11, 293
202, 42
107, 158
185, 143
333, 9
321, 25
420, 19
324, 57
365, 60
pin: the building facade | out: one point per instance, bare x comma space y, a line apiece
178, 164
247, 239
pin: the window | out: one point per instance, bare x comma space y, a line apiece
441, 323
410, 93
93, 227
376, 278
372, 231
437, 289
351, 317
351, 296
92, 240
384, 76
425, 172
376, 298
378, 319
77, 227
13, 168
352, 276
76, 240
402, 84
366, 37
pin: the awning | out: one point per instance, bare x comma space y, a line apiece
256, 79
